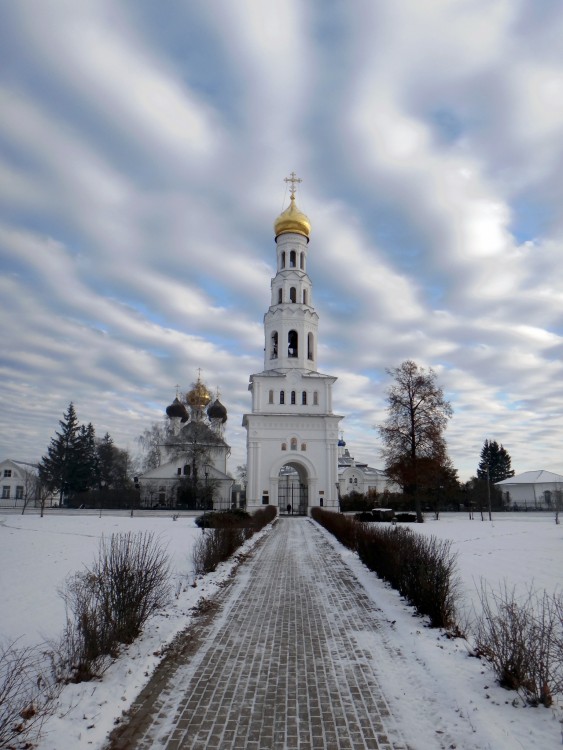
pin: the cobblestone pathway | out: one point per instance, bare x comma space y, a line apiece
280, 668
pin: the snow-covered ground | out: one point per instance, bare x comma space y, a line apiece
37, 554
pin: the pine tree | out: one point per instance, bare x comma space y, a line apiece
105, 461
87, 460
495, 463
59, 467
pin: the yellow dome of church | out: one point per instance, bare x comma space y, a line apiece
292, 220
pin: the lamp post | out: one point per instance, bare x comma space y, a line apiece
489, 494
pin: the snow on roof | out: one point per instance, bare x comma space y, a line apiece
534, 477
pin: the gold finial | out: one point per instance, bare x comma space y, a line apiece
294, 181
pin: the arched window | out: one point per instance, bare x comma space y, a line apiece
280, 296
293, 444
271, 397
305, 297
292, 397
292, 259
282, 397
315, 398
302, 261
292, 341
274, 345
303, 446
283, 259
310, 346
187, 470
284, 446
292, 294
304, 398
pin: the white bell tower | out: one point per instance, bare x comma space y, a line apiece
292, 434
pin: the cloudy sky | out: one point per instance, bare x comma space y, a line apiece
143, 147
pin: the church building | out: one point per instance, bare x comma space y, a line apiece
193, 471
292, 432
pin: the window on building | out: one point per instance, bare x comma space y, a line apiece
293, 294
292, 397
284, 446
280, 296
5, 493
292, 259
179, 472
315, 398
355, 480
304, 398
282, 397
274, 345
350, 480
265, 500
283, 259
19, 492
303, 446
292, 341
271, 397
293, 444
7, 473
187, 470
310, 346
305, 297
302, 261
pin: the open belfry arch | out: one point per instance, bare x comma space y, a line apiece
292, 433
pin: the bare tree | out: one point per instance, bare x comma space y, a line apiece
412, 434
151, 442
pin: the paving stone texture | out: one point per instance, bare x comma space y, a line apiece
280, 667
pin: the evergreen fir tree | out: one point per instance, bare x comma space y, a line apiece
495, 463
58, 468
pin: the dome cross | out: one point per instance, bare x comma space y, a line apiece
294, 181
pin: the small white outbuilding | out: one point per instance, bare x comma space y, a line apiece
531, 490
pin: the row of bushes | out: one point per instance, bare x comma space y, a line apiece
422, 569
226, 532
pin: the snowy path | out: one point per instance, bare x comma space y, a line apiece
299, 656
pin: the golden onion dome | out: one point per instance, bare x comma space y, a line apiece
292, 220
199, 396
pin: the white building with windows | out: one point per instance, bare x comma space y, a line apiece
18, 484
358, 476
292, 432
533, 489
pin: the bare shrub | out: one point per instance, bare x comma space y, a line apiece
131, 582
109, 604
422, 569
217, 544
522, 637
28, 693
263, 516
87, 638
345, 529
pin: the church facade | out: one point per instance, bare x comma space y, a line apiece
292, 432
193, 471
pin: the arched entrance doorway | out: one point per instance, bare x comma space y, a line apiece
293, 494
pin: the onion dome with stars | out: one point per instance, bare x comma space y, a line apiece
292, 219
216, 410
177, 410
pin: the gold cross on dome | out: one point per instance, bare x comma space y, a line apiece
294, 180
